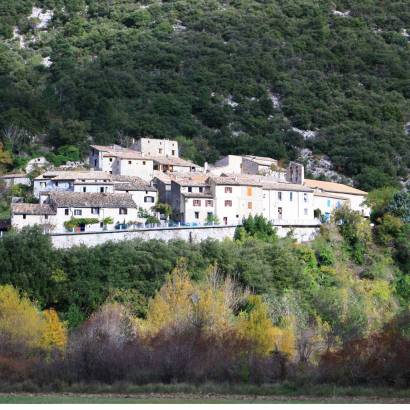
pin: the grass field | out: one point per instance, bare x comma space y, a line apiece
179, 399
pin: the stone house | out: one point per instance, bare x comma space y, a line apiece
157, 147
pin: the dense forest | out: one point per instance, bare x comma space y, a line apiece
239, 76
255, 309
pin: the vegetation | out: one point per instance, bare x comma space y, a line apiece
273, 309
221, 77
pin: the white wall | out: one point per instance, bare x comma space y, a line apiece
142, 168
240, 200
292, 210
158, 147
189, 209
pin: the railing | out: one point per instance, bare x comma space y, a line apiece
296, 222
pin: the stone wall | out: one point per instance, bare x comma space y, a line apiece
190, 234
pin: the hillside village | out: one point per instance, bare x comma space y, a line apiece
149, 184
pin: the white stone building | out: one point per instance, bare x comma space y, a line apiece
15, 179
36, 163
74, 181
331, 194
60, 207
157, 147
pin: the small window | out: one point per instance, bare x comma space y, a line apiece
129, 162
24, 216
66, 211
249, 205
228, 203
123, 211
144, 162
290, 196
78, 212
173, 152
189, 189
228, 190
95, 211
249, 191
280, 212
101, 189
209, 202
196, 215
84, 189
160, 150
279, 196
306, 211
201, 189
305, 197
56, 183
101, 224
45, 216
110, 159
196, 202
149, 199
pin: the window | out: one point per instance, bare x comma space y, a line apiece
160, 150
290, 196
209, 202
42, 184
210, 214
305, 197
78, 212
144, 162
189, 189
305, 211
84, 189
228, 190
110, 159
66, 211
173, 152
196, 202
201, 189
45, 216
101, 189
228, 203
328, 202
280, 212
279, 196
57, 183
123, 211
110, 172
95, 211
249, 205
101, 224
196, 215
249, 191
149, 199
129, 162
225, 219
24, 216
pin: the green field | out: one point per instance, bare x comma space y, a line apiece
181, 398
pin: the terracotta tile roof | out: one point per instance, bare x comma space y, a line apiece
195, 180
329, 195
74, 175
17, 175
32, 209
234, 180
333, 187
128, 183
284, 186
173, 161
91, 199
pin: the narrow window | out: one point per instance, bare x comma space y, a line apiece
290, 196
123, 211
228, 190
201, 189
196, 202
228, 203
95, 211
45, 216
24, 216
279, 213
196, 215
129, 162
66, 211
249, 191
249, 205
189, 189
173, 152
144, 162
84, 189
305, 197
279, 196
110, 159
101, 189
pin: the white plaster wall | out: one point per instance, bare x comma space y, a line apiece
152, 146
188, 208
93, 187
326, 204
143, 168
139, 196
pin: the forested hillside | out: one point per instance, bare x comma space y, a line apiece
240, 76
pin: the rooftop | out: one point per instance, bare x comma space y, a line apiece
235, 180
74, 175
197, 195
333, 187
127, 183
32, 209
16, 175
91, 199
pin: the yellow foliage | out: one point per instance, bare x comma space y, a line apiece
257, 327
55, 333
22, 322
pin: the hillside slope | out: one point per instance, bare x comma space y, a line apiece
239, 76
